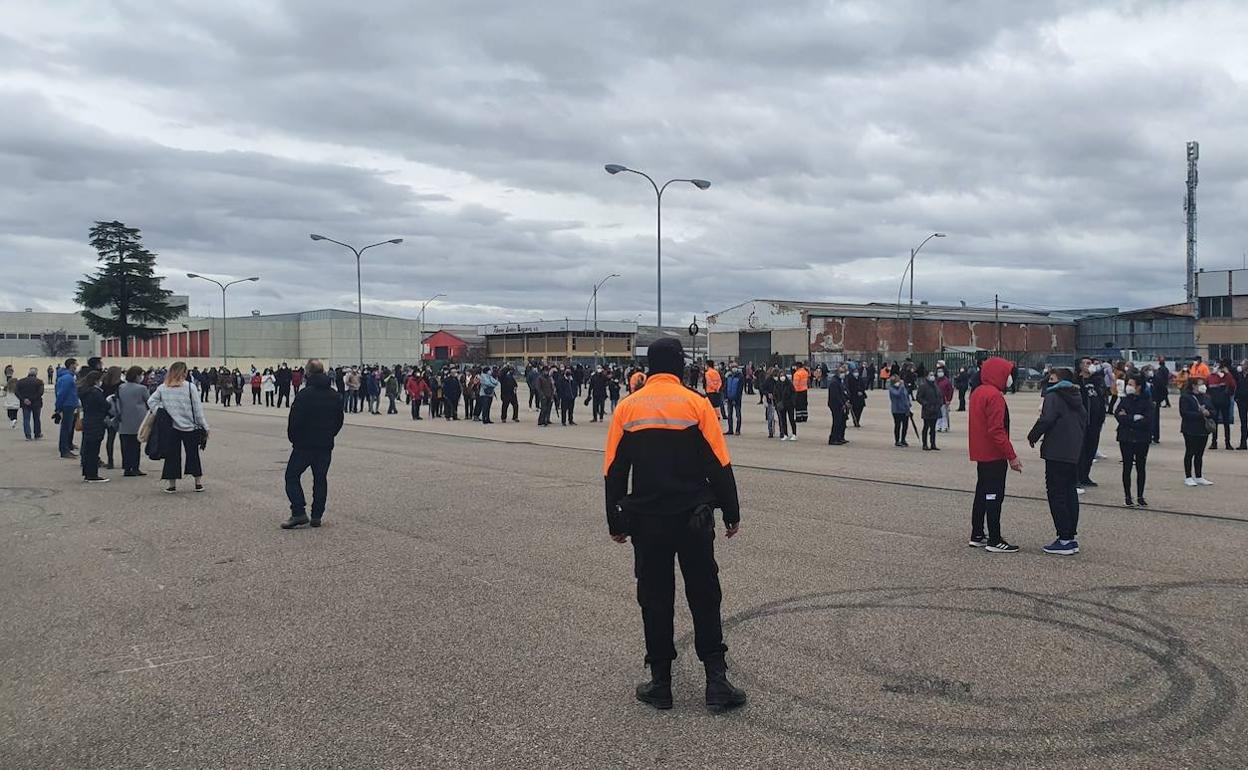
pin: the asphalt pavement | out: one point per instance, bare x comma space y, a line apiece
464, 607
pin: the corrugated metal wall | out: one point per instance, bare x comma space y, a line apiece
1174, 338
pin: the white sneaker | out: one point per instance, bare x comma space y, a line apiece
1080, 490
1202, 481
1100, 455
1189, 482
793, 437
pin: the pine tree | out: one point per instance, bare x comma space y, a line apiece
125, 285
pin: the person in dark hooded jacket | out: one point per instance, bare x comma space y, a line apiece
450, 396
1062, 425
314, 420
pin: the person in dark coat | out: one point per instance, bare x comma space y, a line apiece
856, 390
545, 394
30, 390
566, 388
929, 398
962, 381
450, 396
315, 419
1196, 414
507, 387
1135, 414
283, 378
782, 398
95, 409
1092, 387
1241, 402
1061, 427
838, 404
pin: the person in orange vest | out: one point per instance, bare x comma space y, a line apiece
1200, 369
714, 387
801, 384
668, 439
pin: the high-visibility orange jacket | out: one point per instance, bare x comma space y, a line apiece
801, 380
636, 381
669, 439
1200, 369
714, 382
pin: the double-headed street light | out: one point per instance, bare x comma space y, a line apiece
910, 269
701, 184
594, 299
359, 291
423, 305
225, 339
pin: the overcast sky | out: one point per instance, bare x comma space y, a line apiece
1046, 138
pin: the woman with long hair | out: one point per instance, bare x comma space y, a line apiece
94, 410
110, 385
180, 400
1196, 413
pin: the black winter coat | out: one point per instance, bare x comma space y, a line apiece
1062, 424
315, 415
928, 395
782, 394
838, 396
94, 409
1190, 404
1135, 419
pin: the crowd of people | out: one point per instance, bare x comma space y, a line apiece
111, 407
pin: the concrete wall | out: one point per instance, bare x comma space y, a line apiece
15, 324
724, 345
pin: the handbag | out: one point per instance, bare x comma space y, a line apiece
78, 422
201, 435
145, 428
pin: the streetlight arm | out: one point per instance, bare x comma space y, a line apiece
344, 245
218, 283
369, 246
231, 283
657, 191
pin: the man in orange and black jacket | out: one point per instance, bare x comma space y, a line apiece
668, 437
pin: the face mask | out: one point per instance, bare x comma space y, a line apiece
1239, 369
1130, 390
940, 372
1009, 380
783, 377
1202, 388
931, 378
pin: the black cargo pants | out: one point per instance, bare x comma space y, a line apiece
657, 541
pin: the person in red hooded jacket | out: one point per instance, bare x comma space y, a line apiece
988, 439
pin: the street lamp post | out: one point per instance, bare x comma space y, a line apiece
701, 184
423, 305
910, 269
597, 341
225, 338
359, 290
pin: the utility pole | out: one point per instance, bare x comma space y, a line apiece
1189, 207
996, 315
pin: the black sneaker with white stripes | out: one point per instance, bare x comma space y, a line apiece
1001, 547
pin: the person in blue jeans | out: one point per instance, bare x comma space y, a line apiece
67, 406
734, 388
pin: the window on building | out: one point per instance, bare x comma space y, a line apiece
10, 336
1215, 307
23, 336
1232, 352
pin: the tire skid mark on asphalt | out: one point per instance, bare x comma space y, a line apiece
1182, 694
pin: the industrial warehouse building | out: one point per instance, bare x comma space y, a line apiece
825, 332
558, 341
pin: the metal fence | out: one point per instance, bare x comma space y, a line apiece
1174, 338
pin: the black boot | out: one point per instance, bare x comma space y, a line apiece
658, 691
294, 521
721, 696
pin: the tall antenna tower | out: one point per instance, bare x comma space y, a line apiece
1189, 206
